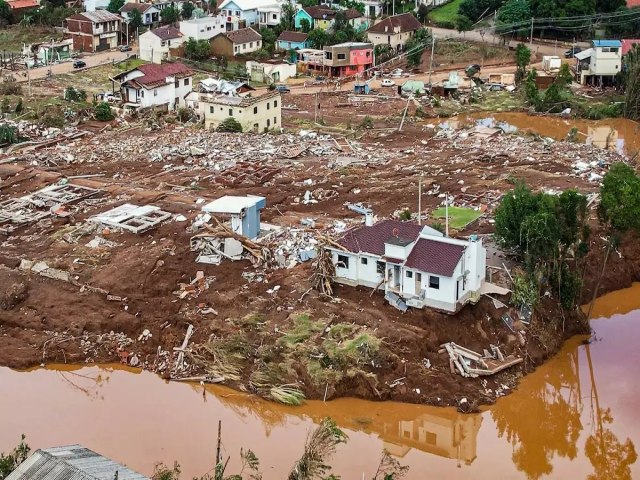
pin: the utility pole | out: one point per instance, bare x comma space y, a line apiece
420, 200
51, 59
433, 47
29, 76
446, 214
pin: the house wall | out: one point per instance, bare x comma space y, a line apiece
362, 268
243, 48
397, 251
221, 45
363, 56
203, 28
250, 16
322, 24
154, 49
300, 14
605, 63
162, 95
269, 17
82, 43
395, 40
264, 114
282, 45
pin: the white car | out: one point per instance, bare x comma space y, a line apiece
386, 82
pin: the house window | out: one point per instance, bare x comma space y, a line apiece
368, 54
328, 55
274, 16
343, 260
231, 112
434, 282
364, 260
208, 29
255, 109
268, 106
142, 93
176, 83
211, 109
275, 103
155, 92
251, 45
341, 56
186, 82
268, 123
409, 274
236, 49
275, 120
380, 268
162, 44
244, 46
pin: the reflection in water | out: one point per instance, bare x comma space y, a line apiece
606, 138
572, 418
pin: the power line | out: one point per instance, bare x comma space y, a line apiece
579, 19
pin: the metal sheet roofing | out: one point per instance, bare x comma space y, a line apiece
73, 462
99, 16
606, 43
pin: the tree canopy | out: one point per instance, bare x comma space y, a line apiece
514, 11
620, 199
5, 12
198, 50
115, 6
187, 10
135, 20
169, 15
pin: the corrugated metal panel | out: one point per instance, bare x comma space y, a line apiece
72, 462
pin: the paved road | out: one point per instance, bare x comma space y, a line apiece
92, 60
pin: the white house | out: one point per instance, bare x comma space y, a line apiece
257, 114
249, 10
600, 63
154, 85
417, 264
150, 13
205, 28
155, 44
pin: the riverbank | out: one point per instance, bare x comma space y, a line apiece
262, 327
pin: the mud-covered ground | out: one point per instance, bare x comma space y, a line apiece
52, 321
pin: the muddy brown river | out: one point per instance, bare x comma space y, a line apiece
574, 418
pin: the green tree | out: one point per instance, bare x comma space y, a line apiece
514, 11
198, 50
308, 3
229, 124
6, 16
135, 20
318, 38
305, 26
620, 199
268, 39
523, 57
287, 18
359, 6
473, 9
463, 24
169, 15
416, 46
564, 77
10, 461
115, 6
187, 10
102, 112
422, 13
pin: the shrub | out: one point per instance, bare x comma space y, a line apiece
102, 112
19, 107
72, 94
405, 215
230, 124
183, 114
9, 86
367, 122
8, 134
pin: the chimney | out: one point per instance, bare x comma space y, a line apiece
368, 219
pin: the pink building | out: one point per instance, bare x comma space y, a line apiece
347, 59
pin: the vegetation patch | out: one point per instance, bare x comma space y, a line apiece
459, 217
446, 15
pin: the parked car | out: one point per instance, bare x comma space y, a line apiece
387, 82
282, 88
124, 48
572, 52
79, 64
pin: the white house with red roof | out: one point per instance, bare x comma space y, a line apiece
153, 85
415, 265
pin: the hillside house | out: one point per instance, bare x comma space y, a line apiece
205, 28
394, 31
149, 12
237, 42
599, 64
255, 114
288, 40
257, 13
318, 16
94, 31
155, 44
154, 85
417, 264
349, 58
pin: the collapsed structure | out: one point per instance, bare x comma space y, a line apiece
415, 265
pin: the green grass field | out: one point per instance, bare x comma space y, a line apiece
458, 217
445, 13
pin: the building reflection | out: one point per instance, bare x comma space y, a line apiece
606, 138
446, 434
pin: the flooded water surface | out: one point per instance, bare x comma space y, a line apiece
574, 418
617, 134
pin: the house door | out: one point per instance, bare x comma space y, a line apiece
418, 289
396, 276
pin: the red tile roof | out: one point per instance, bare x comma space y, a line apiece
244, 35
406, 22
352, 13
131, 6
289, 36
20, 4
371, 239
168, 32
320, 13
432, 256
155, 74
